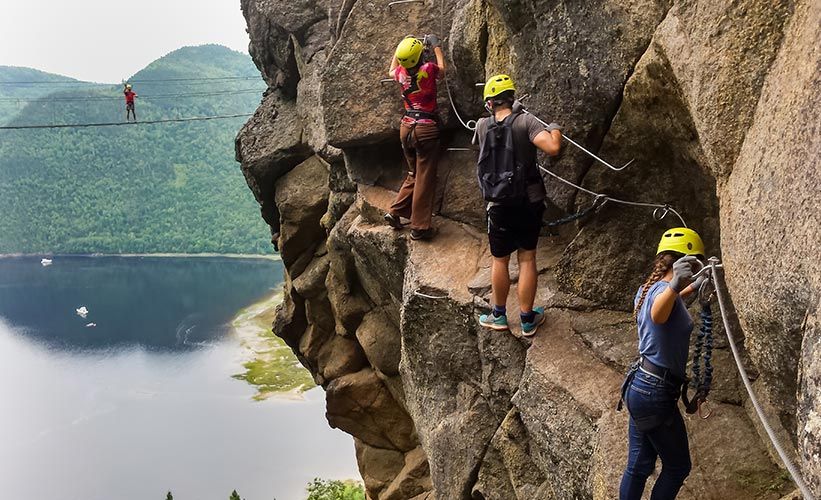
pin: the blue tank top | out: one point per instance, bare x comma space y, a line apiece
668, 344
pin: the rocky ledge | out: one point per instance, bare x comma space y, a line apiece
717, 101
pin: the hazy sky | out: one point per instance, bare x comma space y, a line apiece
106, 40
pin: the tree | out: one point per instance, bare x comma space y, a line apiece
234, 496
325, 489
169, 496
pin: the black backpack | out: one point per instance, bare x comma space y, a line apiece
502, 179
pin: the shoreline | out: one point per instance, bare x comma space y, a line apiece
269, 364
160, 255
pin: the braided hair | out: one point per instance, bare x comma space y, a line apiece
662, 264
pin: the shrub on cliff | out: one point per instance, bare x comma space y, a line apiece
324, 489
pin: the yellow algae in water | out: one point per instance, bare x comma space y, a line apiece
271, 366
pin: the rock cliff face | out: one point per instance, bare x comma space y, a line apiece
717, 101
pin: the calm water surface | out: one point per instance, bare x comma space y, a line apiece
144, 402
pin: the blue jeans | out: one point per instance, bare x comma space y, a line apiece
656, 430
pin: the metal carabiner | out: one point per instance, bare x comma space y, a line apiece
660, 215
702, 403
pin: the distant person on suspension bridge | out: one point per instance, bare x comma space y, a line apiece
418, 133
655, 382
511, 184
130, 95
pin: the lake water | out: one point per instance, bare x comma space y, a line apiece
144, 402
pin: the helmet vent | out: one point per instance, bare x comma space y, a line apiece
678, 235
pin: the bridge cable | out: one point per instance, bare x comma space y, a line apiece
146, 80
113, 124
47, 98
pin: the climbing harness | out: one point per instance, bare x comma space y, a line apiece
663, 375
421, 115
713, 264
660, 212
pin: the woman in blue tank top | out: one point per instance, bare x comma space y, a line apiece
656, 428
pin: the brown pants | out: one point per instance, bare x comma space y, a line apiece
415, 199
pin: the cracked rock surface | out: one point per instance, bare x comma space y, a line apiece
718, 103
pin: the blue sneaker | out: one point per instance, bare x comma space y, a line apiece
529, 329
494, 322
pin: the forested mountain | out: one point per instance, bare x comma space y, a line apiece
35, 84
137, 188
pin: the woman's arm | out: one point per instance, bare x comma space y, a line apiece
682, 272
440, 58
663, 306
394, 64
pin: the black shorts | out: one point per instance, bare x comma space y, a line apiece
514, 227
129, 105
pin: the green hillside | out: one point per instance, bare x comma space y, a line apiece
138, 188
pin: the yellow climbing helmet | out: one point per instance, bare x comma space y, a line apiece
496, 85
408, 51
681, 240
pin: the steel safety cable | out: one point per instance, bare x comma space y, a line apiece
657, 206
785, 458
432, 297
465, 124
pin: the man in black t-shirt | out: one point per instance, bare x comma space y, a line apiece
516, 227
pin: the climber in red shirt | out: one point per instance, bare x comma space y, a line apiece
129, 102
418, 133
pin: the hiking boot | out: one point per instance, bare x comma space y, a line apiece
529, 329
393, 221
423, 234
494, 322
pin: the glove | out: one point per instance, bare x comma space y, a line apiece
554, 126
682, 273
699, 281
433, 41
688, 301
